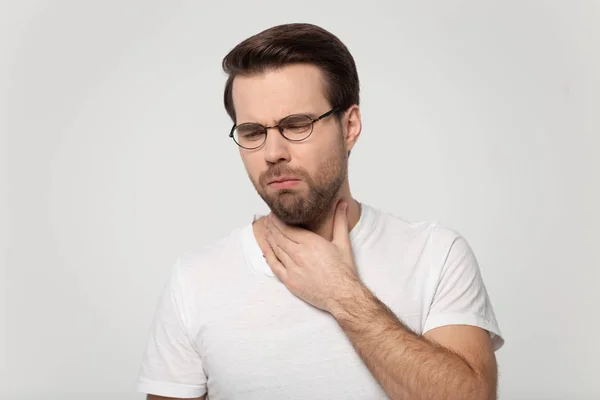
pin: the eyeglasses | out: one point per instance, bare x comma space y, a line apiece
295, 128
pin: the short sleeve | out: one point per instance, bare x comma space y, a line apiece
460, 297
171, 366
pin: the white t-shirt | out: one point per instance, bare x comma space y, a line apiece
227, 326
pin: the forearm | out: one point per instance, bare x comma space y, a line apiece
406, 365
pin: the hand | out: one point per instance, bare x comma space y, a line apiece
318, 271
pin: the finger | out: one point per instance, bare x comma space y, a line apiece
282, 240
341, 236
281, 254
293, 233
275, 264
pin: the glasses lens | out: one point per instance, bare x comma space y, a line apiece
249, 135
296, 127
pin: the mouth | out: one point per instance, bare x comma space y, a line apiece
284, 183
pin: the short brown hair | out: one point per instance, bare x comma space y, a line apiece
290, 44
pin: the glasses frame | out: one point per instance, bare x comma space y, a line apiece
266, 128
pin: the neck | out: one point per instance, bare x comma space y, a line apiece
324, 227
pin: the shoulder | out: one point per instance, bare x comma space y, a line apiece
213, 258
435, 231
432, 236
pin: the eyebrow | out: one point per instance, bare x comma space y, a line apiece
275, 122
307, 113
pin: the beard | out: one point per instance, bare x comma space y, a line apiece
305, 206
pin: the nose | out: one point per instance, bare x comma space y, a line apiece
276, 147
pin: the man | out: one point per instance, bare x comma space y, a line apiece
325, 297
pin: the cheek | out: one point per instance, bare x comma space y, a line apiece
253, 164
326, 153
312, 162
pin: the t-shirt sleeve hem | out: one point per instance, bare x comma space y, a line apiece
168, 389
435, 321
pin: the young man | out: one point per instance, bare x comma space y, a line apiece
325, 297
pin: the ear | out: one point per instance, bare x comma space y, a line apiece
352, 125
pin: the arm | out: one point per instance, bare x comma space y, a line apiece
451, 362
455, 357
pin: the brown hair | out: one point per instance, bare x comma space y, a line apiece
290, 44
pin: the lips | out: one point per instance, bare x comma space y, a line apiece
283, 179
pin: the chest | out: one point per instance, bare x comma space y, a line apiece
260, 341
272, 345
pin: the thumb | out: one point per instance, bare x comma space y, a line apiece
340, 225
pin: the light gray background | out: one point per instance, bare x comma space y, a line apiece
115, 160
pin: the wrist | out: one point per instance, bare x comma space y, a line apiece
349, 301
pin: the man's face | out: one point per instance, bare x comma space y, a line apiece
318, 164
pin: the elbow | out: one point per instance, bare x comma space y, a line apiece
485, 390
485, 383
489, 395
482, 385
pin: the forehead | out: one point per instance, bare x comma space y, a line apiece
274, 94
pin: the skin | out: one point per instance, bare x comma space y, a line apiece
319, 161
305, 240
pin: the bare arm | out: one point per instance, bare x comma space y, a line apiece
452, 362
155, 397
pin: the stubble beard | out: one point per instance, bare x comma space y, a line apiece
308, 205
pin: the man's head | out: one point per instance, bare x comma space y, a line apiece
288, 70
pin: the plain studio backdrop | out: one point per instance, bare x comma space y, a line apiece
116, 160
